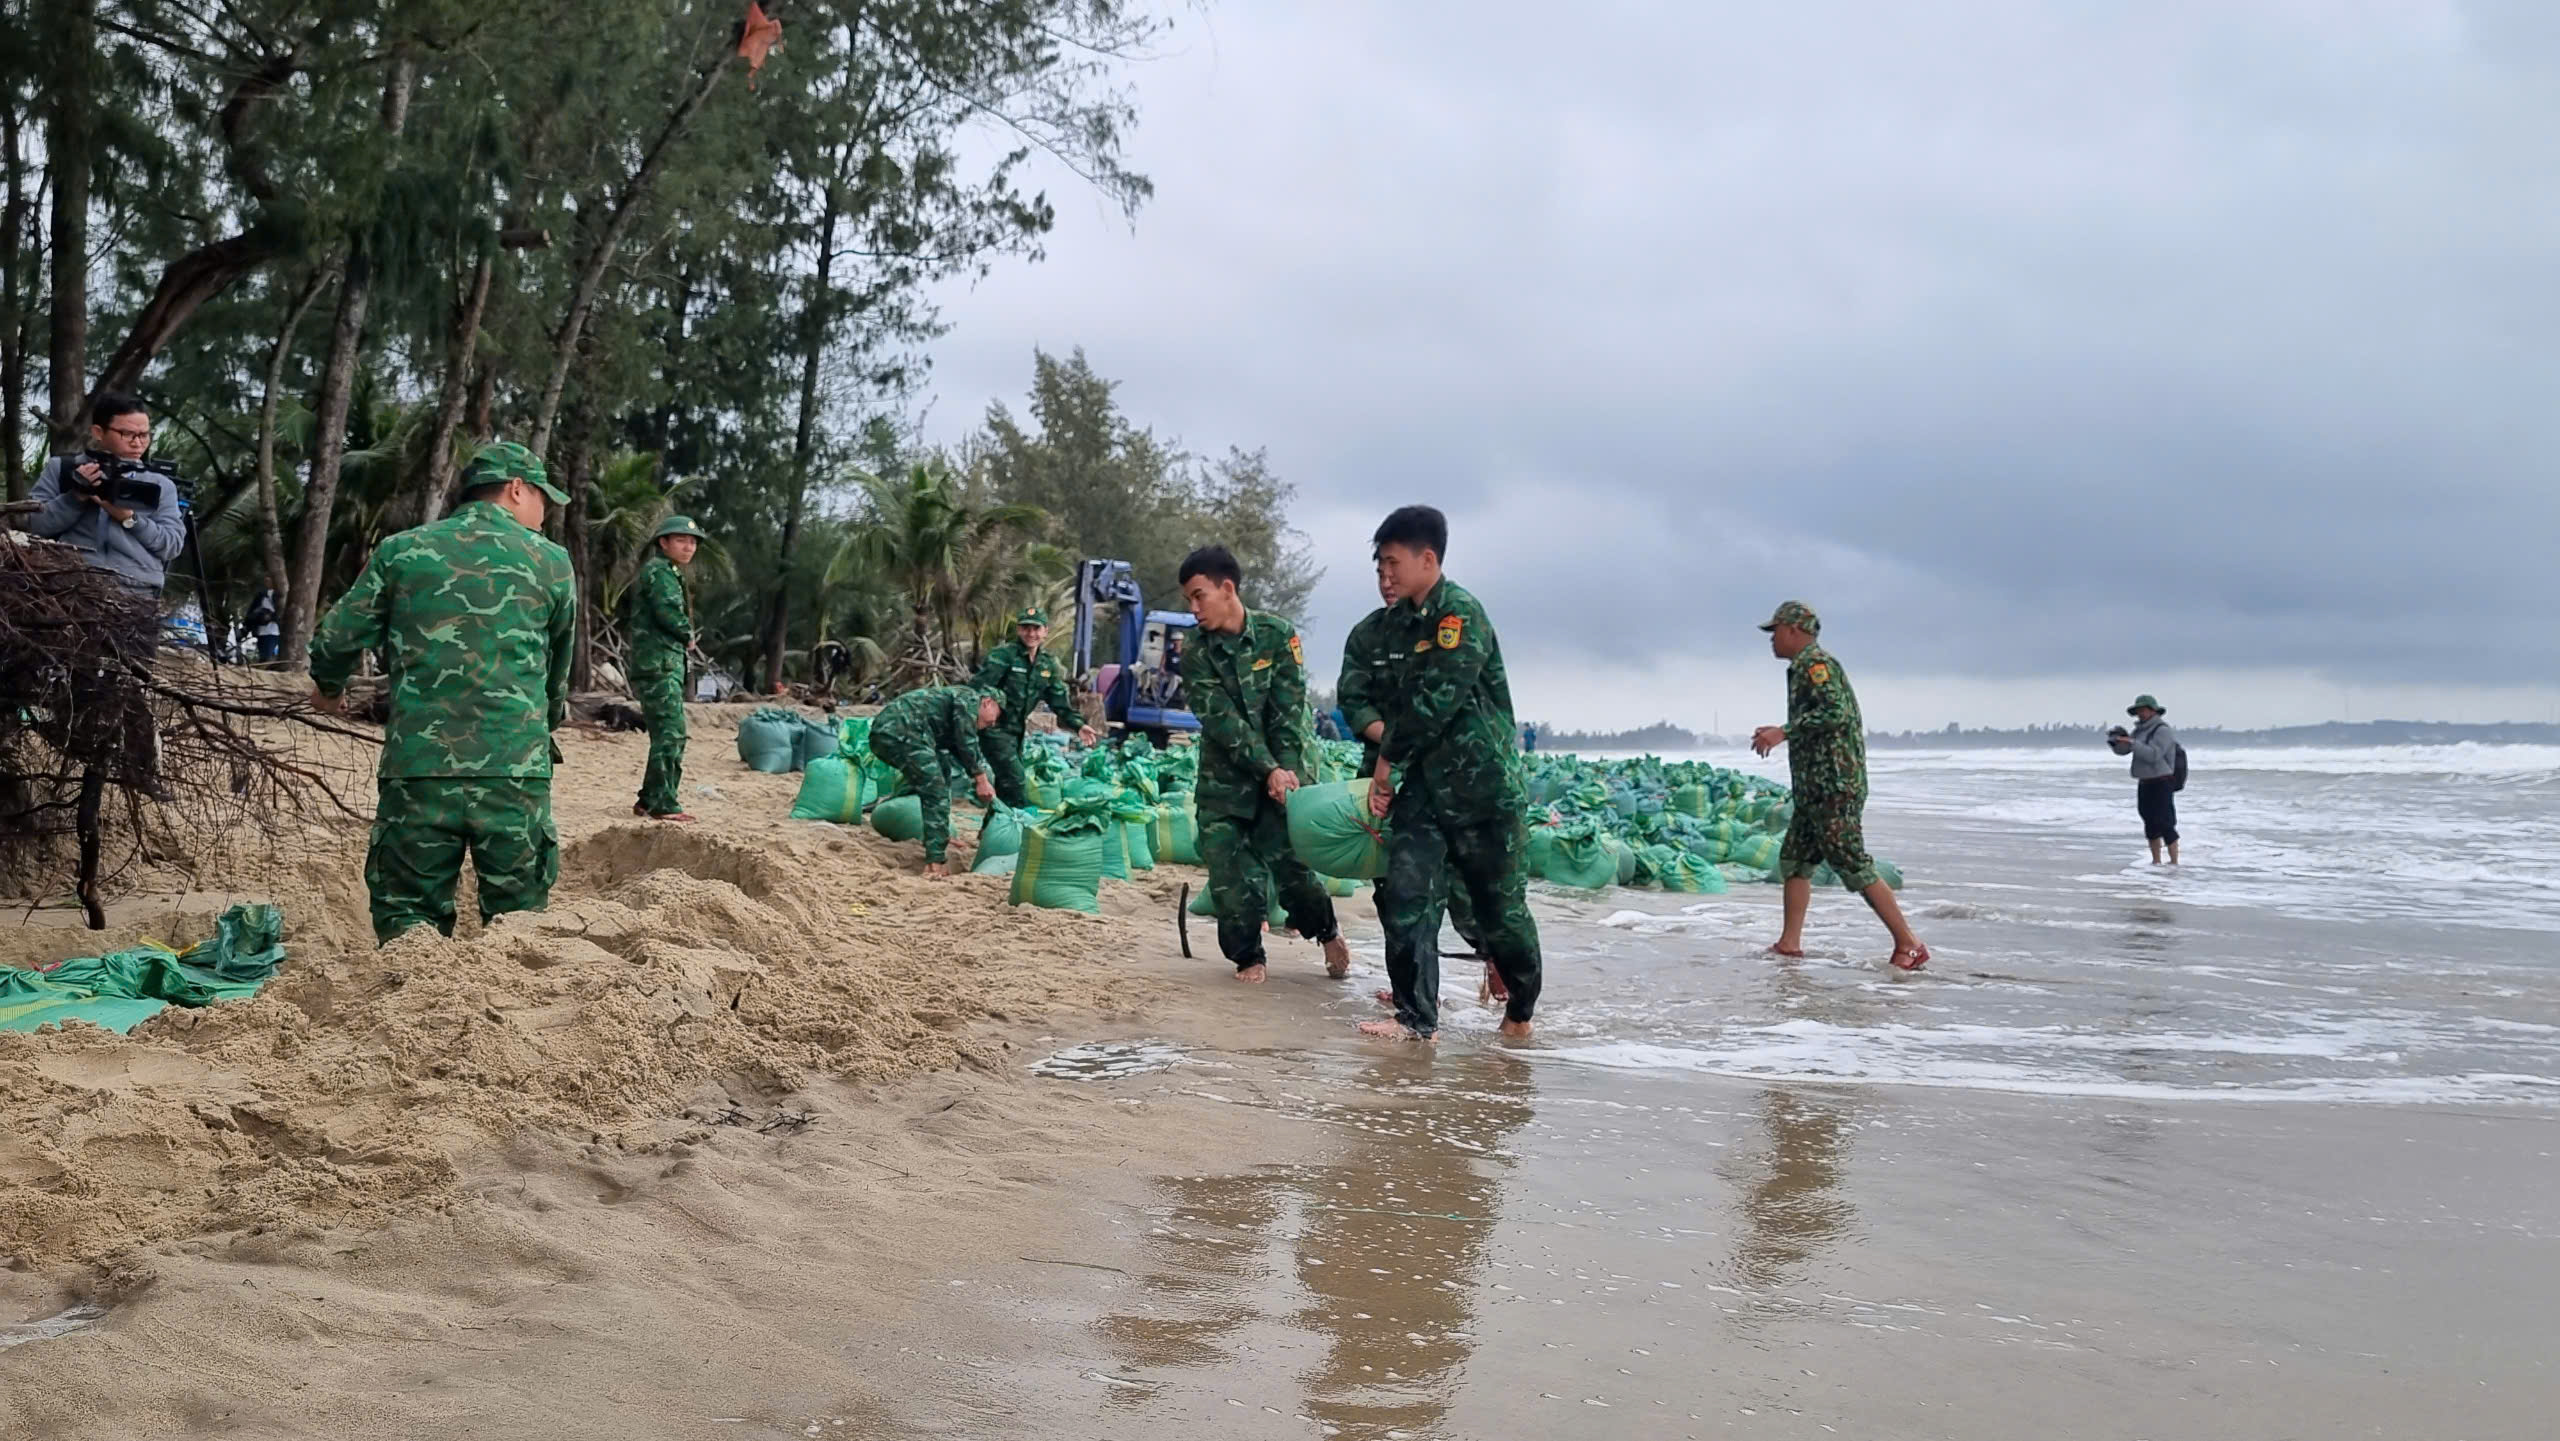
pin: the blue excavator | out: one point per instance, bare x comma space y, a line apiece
1141, 690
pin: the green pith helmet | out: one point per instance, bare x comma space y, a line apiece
1031, 615
504, 460
1796, 613
679, 525
2146, 703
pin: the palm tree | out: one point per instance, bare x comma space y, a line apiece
920, 536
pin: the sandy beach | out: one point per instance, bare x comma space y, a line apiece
757, 1133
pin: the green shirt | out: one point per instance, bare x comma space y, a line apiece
1249, 690
1451, 726
474, 616
1826, 737
661, 623
1026, 680
944, 718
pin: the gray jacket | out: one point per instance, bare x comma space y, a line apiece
140, 556
2155, 750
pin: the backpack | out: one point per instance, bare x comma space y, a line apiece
2178, 775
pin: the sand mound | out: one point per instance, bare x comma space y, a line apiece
745, 950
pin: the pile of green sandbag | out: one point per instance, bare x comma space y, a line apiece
775, 739
122, 989
1673, 825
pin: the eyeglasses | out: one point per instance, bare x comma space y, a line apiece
130, 432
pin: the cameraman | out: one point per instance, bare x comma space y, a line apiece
110, 502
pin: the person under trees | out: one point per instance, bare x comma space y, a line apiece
1026, 676
660, 622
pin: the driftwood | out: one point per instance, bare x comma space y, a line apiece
103, 732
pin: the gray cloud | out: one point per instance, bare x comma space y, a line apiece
2021, 339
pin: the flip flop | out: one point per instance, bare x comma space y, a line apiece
1918, 953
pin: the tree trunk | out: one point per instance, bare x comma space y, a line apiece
484, 405
270, 520
337, 394
577, 475
606, 241
457, 375
13, 339
815, 327
67, 149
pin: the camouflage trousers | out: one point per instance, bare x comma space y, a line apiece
1250, 862
1828, 830
661, 696
1462, 913
423, 827
1429, 859
919, 762
1003, 750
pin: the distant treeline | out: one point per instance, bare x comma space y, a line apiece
2332, 733
1660, 736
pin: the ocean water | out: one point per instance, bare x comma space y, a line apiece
2349, 926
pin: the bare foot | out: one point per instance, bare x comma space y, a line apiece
1785, 948
1337, 959
1391, 1031
1251, 975
1385, 998
1515, 1030
936, 871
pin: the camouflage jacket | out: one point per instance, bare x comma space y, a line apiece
1450, 726
660, 621
944, 718
1250, 691
1025, 680
1826, 737
474, 615
1372, 679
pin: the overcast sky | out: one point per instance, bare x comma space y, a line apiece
2051, 350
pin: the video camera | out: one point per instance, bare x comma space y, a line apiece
132, 483
2119, 739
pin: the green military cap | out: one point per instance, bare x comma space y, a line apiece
1032, 615
679, 525
504, 460
2146, 703
1796, 613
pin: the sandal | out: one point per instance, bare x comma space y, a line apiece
1918, 953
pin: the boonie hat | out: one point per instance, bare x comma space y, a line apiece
504, 460
1796, 613
2146, 703
679, 525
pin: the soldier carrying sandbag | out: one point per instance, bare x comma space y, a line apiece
921, 730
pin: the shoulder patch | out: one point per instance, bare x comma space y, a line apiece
1819, 672
1297, 652
1453, 630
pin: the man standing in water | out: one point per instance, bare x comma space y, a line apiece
2154, 748
661, 632
1248, 685
1461, 811
1827, 761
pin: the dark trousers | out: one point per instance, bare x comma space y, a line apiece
2158, 803
1428, 856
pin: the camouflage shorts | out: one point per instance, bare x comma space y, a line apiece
1831, 834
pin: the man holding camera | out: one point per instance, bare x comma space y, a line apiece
110, 502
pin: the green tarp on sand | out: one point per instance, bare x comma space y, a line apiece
122, 989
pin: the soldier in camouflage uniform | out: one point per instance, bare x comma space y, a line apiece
1025, 676
1372, 677
660, 624
1826, 742
1459, 813
1246, 676
473, 616
919, 731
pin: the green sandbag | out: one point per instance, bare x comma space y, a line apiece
1174, 834
1134, 840
1760, 852
1115, 852
853, 738
1581, 858
815, 739
831, 789
900, 818
1693, 800
1339, 888
1676, 870
1000, 834
1003, 865
1542, 848
1202, 904
1330, 828
1625, 857
122, 989
769, 739
1047, 795
1060, 865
